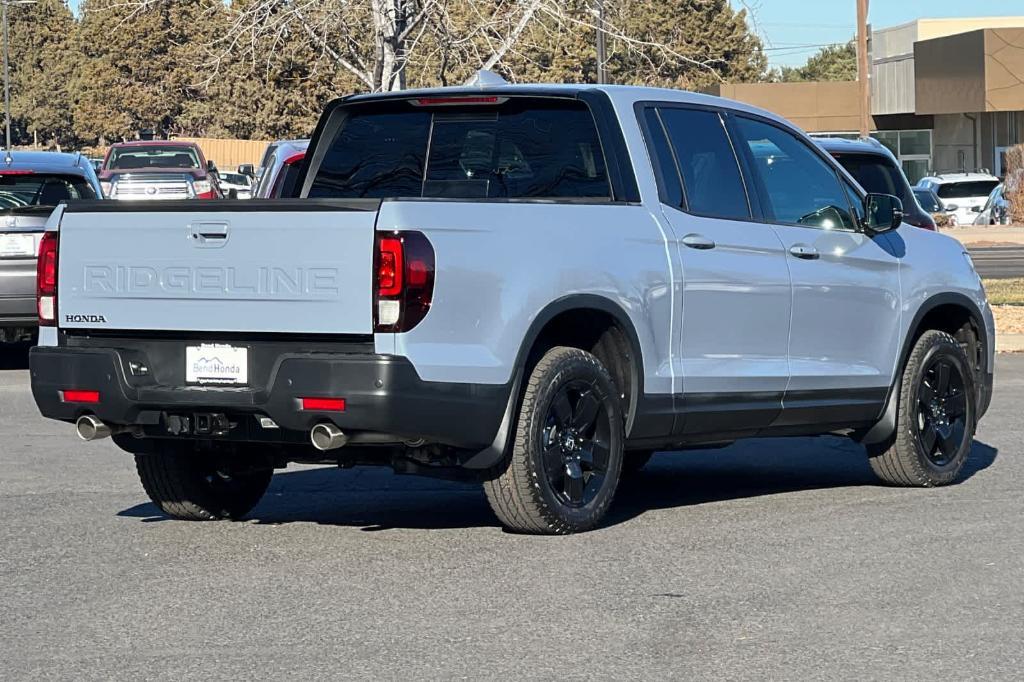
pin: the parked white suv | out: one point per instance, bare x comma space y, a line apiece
529, 286
967, 191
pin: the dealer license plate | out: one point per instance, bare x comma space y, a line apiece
216, 364
17, 245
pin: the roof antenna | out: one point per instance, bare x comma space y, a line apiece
485, 78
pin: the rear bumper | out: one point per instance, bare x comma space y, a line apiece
383, 394
18, 312
18, 292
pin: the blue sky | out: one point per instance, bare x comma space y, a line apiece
791, 27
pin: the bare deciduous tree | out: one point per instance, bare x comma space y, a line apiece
377, 41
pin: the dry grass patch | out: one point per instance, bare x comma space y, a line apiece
1005, 291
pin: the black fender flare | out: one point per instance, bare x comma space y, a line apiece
495, 452
886, 425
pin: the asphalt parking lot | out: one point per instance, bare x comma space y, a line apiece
778, 559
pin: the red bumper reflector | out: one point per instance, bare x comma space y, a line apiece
91, 397
323, 404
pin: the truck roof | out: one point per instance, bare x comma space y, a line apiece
623, 96
156, 143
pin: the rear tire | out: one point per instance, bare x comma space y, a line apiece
567, 454
197, 486
935, 419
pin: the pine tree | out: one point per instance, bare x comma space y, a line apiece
830, 63
40, 66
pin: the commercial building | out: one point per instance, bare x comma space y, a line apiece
946, 94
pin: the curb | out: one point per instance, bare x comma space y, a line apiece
1009, 343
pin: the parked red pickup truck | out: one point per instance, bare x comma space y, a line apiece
158, 169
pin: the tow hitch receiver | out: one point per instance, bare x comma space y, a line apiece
197, 424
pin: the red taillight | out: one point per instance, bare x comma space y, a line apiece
17, 172
389, 267
46, 280
323, 404
76, 396
404, 282
295, 158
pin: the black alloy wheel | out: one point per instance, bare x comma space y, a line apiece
575, 444
941, 411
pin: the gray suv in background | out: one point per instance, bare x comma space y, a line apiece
532, 287
31, 185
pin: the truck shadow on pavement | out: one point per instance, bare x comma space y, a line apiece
374, 499
14, 355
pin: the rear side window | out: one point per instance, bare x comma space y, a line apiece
18, 189
966, 190
706, 163
664, 160
522, 148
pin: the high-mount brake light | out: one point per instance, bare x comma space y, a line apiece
458, 101
46, 279
404, 280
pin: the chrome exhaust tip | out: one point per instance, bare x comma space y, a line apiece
91, 427
327, 436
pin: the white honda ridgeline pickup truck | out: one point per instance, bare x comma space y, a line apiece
529, 286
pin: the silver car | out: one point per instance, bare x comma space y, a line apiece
31, 184
996, 210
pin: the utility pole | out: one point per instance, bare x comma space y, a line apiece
7, 70
602, 57
863, 68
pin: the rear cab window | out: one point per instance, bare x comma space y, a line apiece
503, 148
20, 189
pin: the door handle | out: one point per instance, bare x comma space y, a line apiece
698, 241
804, 251
208, 235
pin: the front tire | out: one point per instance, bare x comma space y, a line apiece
567, 455
197, 486
936, 416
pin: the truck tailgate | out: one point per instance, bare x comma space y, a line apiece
292, 266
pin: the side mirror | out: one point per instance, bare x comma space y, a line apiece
247, 169
949, 208
211, 166
883, 212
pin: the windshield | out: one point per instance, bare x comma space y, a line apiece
154, 156
877, 175
967, 190
19, 189
235, 178
928, 200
